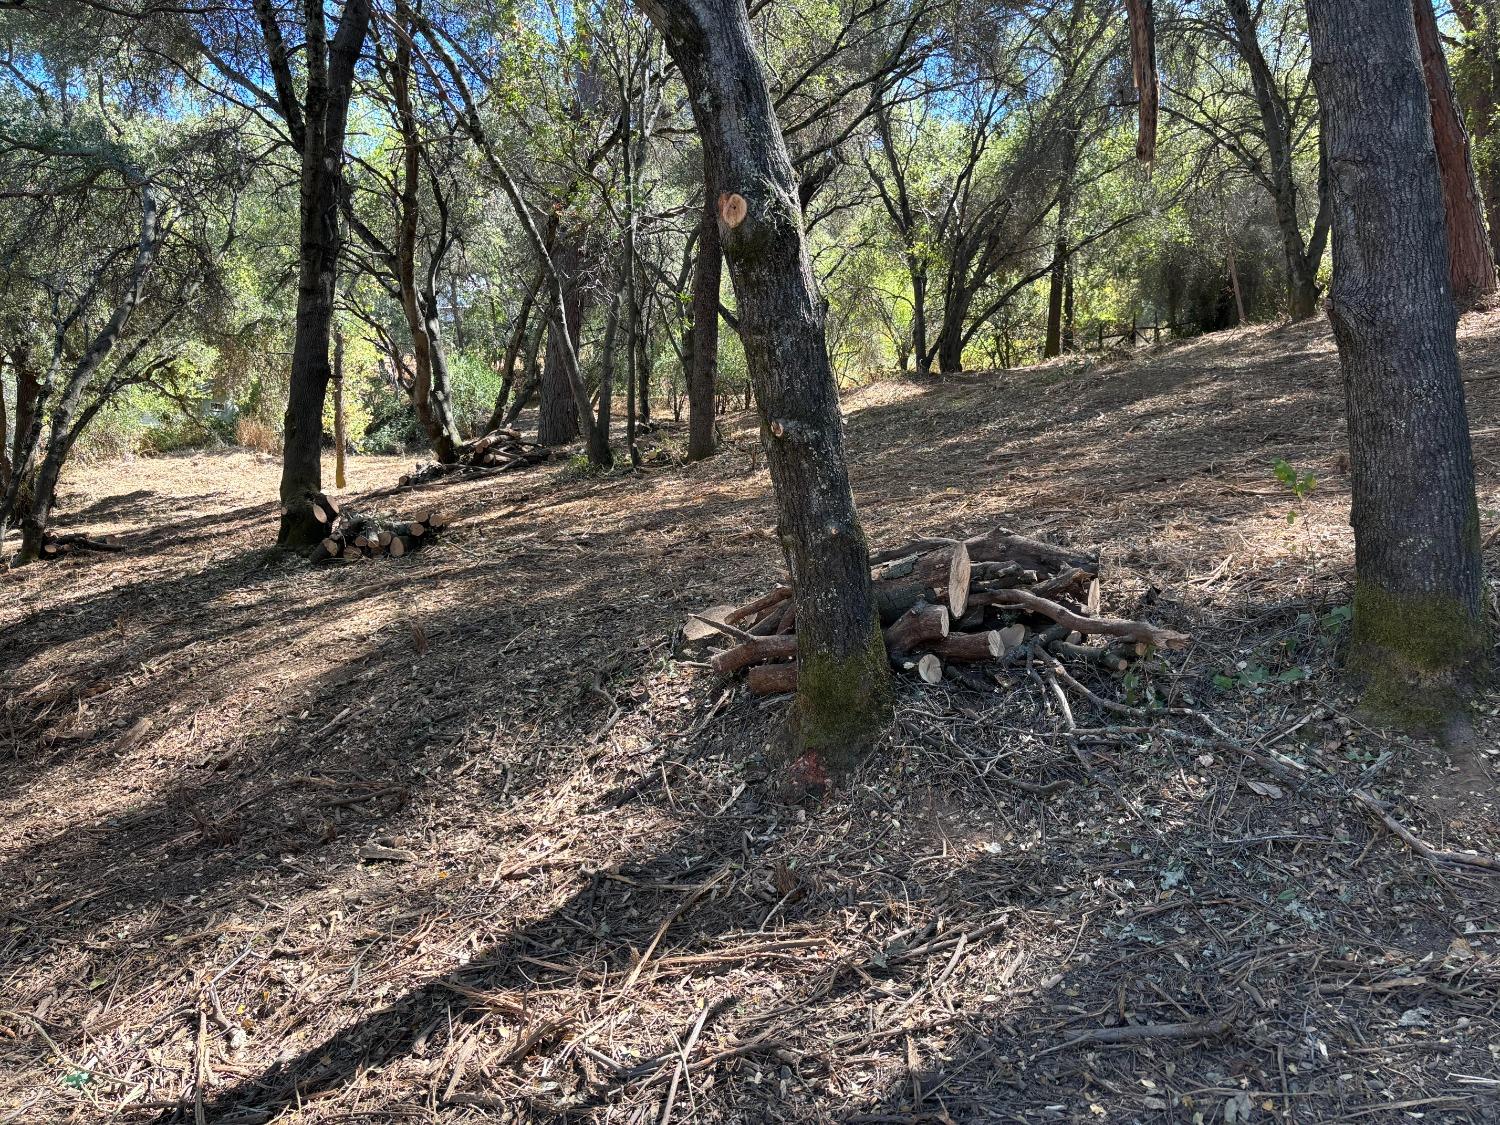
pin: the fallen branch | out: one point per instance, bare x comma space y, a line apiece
1410, 839
1138, 631
1143, 1032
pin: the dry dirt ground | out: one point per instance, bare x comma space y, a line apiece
460, 837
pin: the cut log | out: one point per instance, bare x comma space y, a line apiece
1138, 631
699, 627
971, 648
1111, 659
758, 651
770, 621
1000, 545
928, 669
1073, 580
329, 548
893, 598
771, 679
959, 569
759, 606
1013, 636
918, 627
399, 546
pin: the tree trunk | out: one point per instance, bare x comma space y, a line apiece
843, 698
1234, 284
1303, 256
950, 342
558, 417
703, 372
1480, 20
530, 375
1471, 261
607, 367
62, 432
4, 438
1418, 620
28, 391
920, 351
429, 394
513, 351
330, 83
1067, 336
339, 437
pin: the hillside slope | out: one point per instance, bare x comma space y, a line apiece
587, 872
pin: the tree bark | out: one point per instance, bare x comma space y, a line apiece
843, 698
1471, 261
513, 352
703, 372
1418, 622
1143, 70
330, 84
557, 423
430, 393
1480, 20
1303, 256
1052, 346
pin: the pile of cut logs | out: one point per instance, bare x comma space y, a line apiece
61, 546
354, 536
948, 608
497, 451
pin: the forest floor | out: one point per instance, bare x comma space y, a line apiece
458, 837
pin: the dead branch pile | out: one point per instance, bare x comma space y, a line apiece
355, 536
496, 451
61, 546
952, 608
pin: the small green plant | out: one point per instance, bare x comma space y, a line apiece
1247, 676
1299, 484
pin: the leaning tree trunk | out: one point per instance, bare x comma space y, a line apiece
1470, 260
330, 84
843, 679
703, 371
1418, 620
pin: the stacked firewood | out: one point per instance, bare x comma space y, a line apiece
949, 608
354, 536
497, 451
61, 546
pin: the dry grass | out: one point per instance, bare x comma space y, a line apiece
599, 906
256, 436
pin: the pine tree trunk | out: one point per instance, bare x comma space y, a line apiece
1471, 261
1418, 623
843, 681
703, 372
